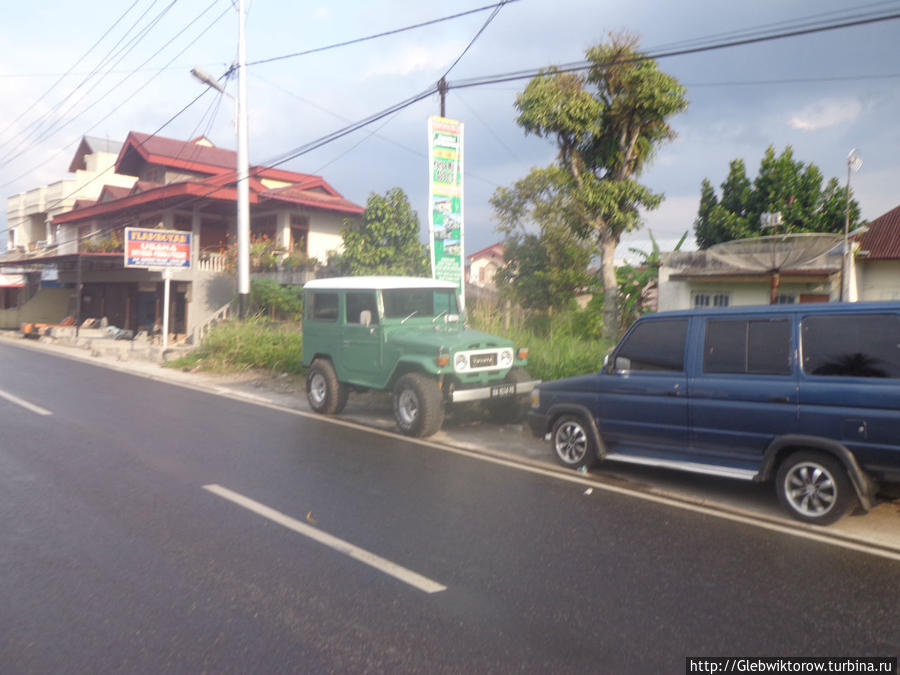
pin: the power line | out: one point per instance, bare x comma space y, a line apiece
35, 127
395, 31
127, 99
70, 70
727, 44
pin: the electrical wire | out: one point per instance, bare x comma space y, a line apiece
70, 121
35, 128
395, 31
62, 77
126, 100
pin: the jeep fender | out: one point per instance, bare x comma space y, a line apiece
863, 485
414, 364
559, 409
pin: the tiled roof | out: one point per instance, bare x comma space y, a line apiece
492, 251
882, 239
312, 198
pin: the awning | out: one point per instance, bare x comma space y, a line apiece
12, 281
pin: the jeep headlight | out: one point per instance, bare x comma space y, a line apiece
460, 362
506, 358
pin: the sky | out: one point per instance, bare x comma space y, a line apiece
823, 94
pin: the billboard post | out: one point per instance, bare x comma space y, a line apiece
445, 202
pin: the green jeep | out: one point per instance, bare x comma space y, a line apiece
404, 335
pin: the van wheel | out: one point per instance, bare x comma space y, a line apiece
814, 488
511, 410
418, 405
326, 395
572, 442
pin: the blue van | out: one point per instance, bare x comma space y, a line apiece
806, 394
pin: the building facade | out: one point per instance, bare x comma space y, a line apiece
188, 186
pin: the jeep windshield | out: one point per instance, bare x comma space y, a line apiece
427, 303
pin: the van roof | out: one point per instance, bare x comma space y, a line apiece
810, 308
375, 283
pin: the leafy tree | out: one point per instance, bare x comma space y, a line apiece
387, 241
607, 124
546, 261
782, 184
635, 281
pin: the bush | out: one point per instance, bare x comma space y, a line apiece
242, 345
276, 301
572, 347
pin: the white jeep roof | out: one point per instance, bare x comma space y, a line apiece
375, 283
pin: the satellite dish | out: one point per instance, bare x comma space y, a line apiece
775, 252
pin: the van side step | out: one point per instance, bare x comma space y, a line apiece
693, 467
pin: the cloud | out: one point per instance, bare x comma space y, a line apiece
827, 113
416, 58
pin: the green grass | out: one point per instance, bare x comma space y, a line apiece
256, 343
261, 344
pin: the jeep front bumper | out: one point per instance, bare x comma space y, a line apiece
494, 391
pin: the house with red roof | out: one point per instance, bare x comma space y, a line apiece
483, 265
877, 258
188, 186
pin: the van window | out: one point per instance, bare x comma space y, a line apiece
323, 307
852, 345
654, 345
748, 346
359, 302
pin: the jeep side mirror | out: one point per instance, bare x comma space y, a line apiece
623, 363
452, 318
365, 317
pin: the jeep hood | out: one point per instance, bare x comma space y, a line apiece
451, 338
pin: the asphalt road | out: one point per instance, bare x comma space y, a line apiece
124, 549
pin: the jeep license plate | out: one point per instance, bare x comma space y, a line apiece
501, 390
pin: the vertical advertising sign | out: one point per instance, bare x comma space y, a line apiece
445, 201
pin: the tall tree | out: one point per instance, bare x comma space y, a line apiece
607, 124
387, 240
546, 261
782, 184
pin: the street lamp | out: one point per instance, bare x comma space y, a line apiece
854, 162
243, 163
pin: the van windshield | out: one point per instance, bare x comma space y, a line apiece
401, 303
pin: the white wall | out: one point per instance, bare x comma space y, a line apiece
878, 279
325, 233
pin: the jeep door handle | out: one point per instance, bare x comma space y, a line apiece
780, 399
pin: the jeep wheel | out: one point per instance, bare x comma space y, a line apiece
418, 405
572, 443
511, 410
326, 395
814, 488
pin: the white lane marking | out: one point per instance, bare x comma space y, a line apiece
407, 576
25, 404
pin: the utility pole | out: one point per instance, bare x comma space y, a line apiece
854, 162
442, 90
243, 172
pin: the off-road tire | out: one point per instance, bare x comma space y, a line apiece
418, 405
814, 487
326, 395
572, 442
